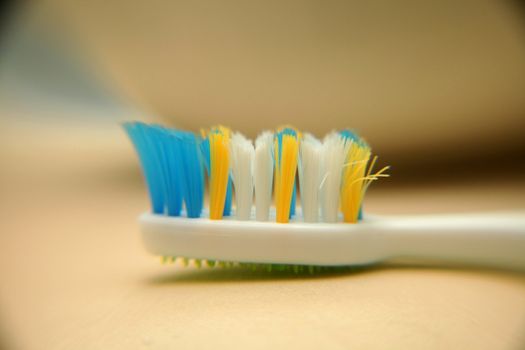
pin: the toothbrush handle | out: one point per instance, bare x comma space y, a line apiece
496, 240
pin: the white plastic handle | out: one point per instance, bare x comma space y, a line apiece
480, 239
496, 240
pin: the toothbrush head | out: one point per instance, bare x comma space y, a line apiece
330, 177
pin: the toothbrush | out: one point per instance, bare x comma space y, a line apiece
329, 229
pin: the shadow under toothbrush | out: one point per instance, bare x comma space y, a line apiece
244, 274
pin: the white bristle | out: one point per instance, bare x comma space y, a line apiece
310, 177
263, 175
334, 152
242, 155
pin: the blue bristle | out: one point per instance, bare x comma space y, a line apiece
352, 135
155, 137
155, 166
228, 199
167, 158
292, 205
193, 184
348, 134
140, 135
205, 150
173, 170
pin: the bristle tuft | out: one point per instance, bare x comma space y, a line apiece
286, 147
310, 177
334, 152
193, 174
140, 135
219, 171
242, 157
263, 175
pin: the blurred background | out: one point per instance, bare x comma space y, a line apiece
437, 88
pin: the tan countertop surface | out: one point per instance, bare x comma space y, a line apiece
74, 275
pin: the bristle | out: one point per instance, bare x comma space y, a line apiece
228, 199
334, 152
356, 177
351, 135
172, 168
333, 175
219, 172
193, 184
309, 177
286, 147
205, 150
356, 182
148, 156
293, 201
263, 175
290, 130
242, 157
156, 137
353, 180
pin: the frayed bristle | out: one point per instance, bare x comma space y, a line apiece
357, 176
333, 174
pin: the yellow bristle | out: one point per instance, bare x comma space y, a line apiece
356, 180
285, 176
219, 168
353, 174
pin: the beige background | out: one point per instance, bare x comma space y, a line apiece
412, 76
